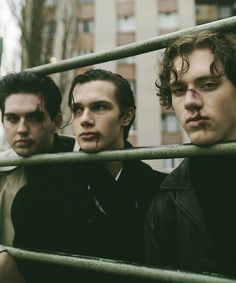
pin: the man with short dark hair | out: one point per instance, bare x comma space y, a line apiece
103, 109
191, 221
31, 116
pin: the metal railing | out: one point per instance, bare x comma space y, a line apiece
132, 49
123, 269
161, 152
147, 153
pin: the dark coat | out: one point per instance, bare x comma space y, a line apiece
57, 212
177, 234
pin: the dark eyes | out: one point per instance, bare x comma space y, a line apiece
76, 108
99, 107
36, 118
204, 86
33, 118
178, 91
12, 119
208, 86
95, 108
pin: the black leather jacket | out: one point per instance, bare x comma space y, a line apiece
191, 221
176, 230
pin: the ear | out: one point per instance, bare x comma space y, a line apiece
57, 123
128, 116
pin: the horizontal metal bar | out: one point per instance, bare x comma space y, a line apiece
116, 267
131, 49
147, 153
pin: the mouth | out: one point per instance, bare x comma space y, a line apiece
196, 121
23, 143
88, 136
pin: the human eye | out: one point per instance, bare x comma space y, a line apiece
100, 107
37, 117
13, 119
77, 109
209, 85
178, 90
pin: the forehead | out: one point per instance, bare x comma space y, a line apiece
23, 103
95, 91
200, 61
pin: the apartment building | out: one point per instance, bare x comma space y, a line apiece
105, 24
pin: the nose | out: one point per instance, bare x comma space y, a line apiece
22, 127
192, 100
87, 118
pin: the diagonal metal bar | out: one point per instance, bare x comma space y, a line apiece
116, 267
147, 153
132, 49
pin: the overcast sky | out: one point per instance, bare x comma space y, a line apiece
9, 31
11, 49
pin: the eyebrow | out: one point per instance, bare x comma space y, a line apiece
26, 114
92, 103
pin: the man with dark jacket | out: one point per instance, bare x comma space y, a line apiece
103, 109
31, 116
190, 224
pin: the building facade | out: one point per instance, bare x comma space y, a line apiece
105, 24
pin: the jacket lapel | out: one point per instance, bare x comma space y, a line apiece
186, 200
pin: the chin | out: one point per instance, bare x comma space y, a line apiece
23, 153
203, 138
203, 142
90, 150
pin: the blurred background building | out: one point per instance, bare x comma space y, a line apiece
69, 28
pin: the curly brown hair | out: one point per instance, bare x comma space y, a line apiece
221, 45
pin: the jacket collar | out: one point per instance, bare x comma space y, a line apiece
179, 178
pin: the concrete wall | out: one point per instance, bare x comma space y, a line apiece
105, 29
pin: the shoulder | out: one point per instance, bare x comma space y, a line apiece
5, 155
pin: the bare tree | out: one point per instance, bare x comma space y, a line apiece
64, 46
38, 47
31, 27
31, 22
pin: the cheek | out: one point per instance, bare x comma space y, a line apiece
178, 108
110, 124
76, 127
9, 130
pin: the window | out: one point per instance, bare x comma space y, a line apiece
170, 123
225, 12
168, 21
86, 26
126, 24
206, 13
49, 30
